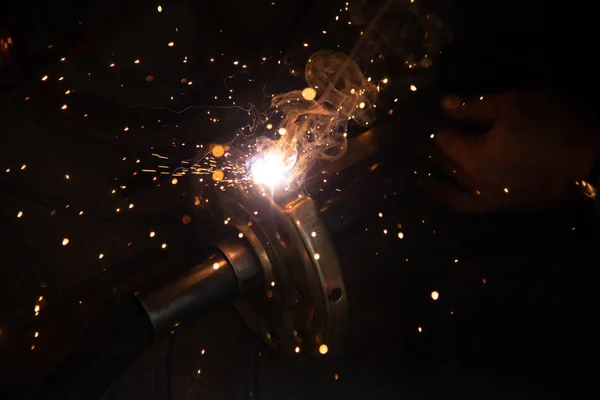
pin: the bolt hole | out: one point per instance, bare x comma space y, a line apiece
335, 295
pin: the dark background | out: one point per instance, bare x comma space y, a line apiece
514, 316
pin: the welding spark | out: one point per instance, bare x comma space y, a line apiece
272, 168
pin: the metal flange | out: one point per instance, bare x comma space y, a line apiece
302, 306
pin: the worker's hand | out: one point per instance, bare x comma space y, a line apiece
531, 157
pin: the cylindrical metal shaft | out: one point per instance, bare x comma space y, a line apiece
215, 280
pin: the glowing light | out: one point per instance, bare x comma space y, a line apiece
297, 349
305, 44
218, 151
125, 129
400, 235
100, 256
45, 78
20, 214
413, 88
323, 349
309, 93
385, 80
317, 256
361, 105
505, 190
313, 234
174, 181
159, 8
152, 234
240, 235
218, 174
216, 265
65, 241
164, 245
171, 44
420, 329
435, 295
36, 334
282, 131
271, 169
136, 62
380, 215
64, 107
269, 126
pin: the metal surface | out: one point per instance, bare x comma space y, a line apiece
214, 281
328, 283
243, 262
282, 242
303, 304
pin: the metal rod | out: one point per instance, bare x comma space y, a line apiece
207, 284
218, 279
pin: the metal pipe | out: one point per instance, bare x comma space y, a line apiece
128, 325
217, 279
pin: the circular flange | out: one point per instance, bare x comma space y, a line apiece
302, 307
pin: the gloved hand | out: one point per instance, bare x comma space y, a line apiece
538, 146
